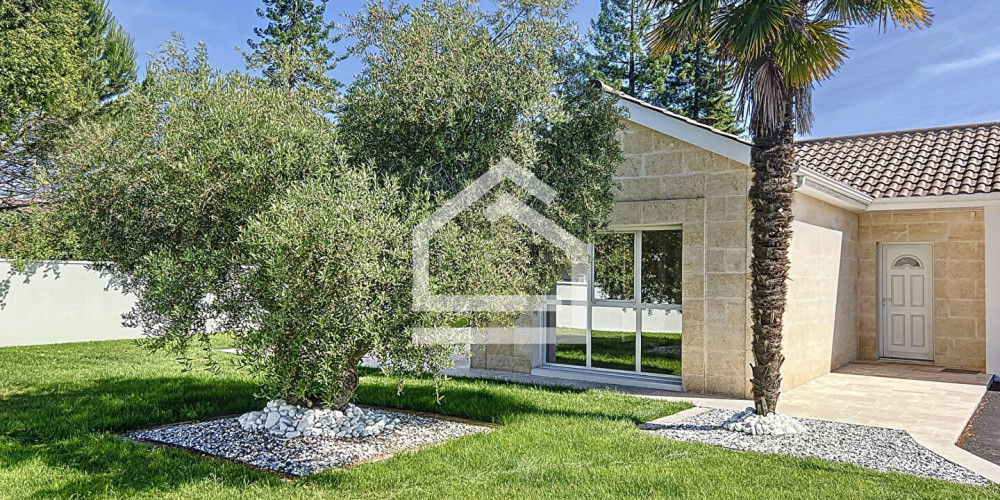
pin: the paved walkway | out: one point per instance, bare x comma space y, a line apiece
933, 406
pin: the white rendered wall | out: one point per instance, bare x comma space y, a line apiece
60, 302
992, 222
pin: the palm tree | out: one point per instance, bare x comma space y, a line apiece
777, 51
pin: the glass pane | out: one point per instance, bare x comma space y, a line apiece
661, 341
567, 325
661, 267
613, 338
614, 269
907, 261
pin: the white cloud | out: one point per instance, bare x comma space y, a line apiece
985, 57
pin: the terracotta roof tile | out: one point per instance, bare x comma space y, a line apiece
961, 159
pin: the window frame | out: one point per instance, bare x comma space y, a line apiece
635, 303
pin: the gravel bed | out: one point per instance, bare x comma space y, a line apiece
302, 456
872, 447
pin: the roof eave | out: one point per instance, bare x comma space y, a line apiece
823, 188
940, 202
704, 136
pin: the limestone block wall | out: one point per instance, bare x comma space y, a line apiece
665, 181
820, 323
510, 350
959, 280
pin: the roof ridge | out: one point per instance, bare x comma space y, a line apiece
901, 132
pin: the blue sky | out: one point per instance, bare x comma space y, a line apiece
946, 74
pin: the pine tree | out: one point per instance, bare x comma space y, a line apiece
294, 49
696, 88
688, 82
61, 62
619, 56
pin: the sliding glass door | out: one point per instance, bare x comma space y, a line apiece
627, 316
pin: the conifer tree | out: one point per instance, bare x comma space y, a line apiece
696, 88
687, 82
294, 50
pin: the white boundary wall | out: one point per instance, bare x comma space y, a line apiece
61, 302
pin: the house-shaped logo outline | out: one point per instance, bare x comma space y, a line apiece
505, 205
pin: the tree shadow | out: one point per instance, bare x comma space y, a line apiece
76, 429
497, 401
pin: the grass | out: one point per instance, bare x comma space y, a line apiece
616, 350
61, 406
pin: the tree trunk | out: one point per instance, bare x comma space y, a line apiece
348, 383
772, 194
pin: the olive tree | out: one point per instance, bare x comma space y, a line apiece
221, 200
224, 203
163, 189
328, 283
448, 89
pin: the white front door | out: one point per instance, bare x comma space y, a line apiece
907, 320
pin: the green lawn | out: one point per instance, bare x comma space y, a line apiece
616, 350
60, 407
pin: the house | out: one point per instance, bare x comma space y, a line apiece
895, 256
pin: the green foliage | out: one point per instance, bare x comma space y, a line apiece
60, 62
36, 233
618, 56
294, 49
697, 87
448, 89
225, 200
687, 81
614, 265
163, 190
327, 282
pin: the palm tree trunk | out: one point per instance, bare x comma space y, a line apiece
772, 194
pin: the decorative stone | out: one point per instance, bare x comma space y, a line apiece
303, 455
272, 420
774, 424
290, 421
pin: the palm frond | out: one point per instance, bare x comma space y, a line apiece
811, 53
751, 27
909, 14
686, 21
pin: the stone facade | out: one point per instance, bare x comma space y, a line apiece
517, 351
831, 317
820, 324
665, 181
959, 280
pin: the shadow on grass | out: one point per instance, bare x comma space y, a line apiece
74, 430
501, 402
